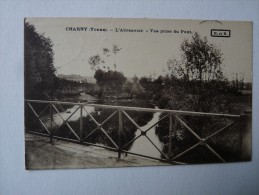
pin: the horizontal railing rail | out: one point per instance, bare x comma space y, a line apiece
121, 113
138, 109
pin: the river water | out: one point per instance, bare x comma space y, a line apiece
141, 146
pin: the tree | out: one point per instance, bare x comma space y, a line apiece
99, 61
110, 80
196, 83
137, 89
38, 64
106, 77
127, 87
146, 83
200, 60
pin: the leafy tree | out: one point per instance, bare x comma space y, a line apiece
106, 78
110, 80
38, 64
95, 62
200, 60
146, 83
196, 83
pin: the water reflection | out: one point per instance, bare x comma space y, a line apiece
58, 120
141, 146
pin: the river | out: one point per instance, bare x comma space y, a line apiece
141, 146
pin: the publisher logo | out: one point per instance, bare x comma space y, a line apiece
219, 33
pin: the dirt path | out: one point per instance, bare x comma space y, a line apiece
40, 154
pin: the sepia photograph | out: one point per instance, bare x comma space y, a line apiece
110, 92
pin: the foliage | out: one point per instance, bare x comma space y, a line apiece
196, 83
200, 60
38, 64
110, 80
146, 83
127, 87
106, 77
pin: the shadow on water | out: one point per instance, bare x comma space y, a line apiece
227, 143
96, 136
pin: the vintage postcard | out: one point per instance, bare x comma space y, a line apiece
136, 92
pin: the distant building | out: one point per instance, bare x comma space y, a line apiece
78, 78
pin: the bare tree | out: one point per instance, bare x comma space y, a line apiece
100, 61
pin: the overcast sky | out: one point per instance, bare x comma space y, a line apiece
142, 53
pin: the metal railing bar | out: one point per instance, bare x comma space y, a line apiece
179, 163
35, 113
187, 127
120, 129
39, 118
165, 110
222, 129
55, 123
62, 106
91, 133
156, 123
44, 126
214, 152
156, 147
69, 116
92, 117
101, 146
142, 155
86, 143
74, 141
38, 133
131, 120
170, 136
131, 141
64, 121
122, 109
187, 150
109, 138
56, 102
140, 109
44, 110
109, 117
71, 129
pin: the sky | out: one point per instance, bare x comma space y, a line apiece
142, 53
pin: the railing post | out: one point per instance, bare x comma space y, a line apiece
119, 133
81, 123
246, 135
51, 122
170, 136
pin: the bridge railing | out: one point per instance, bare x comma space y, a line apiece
118, 127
